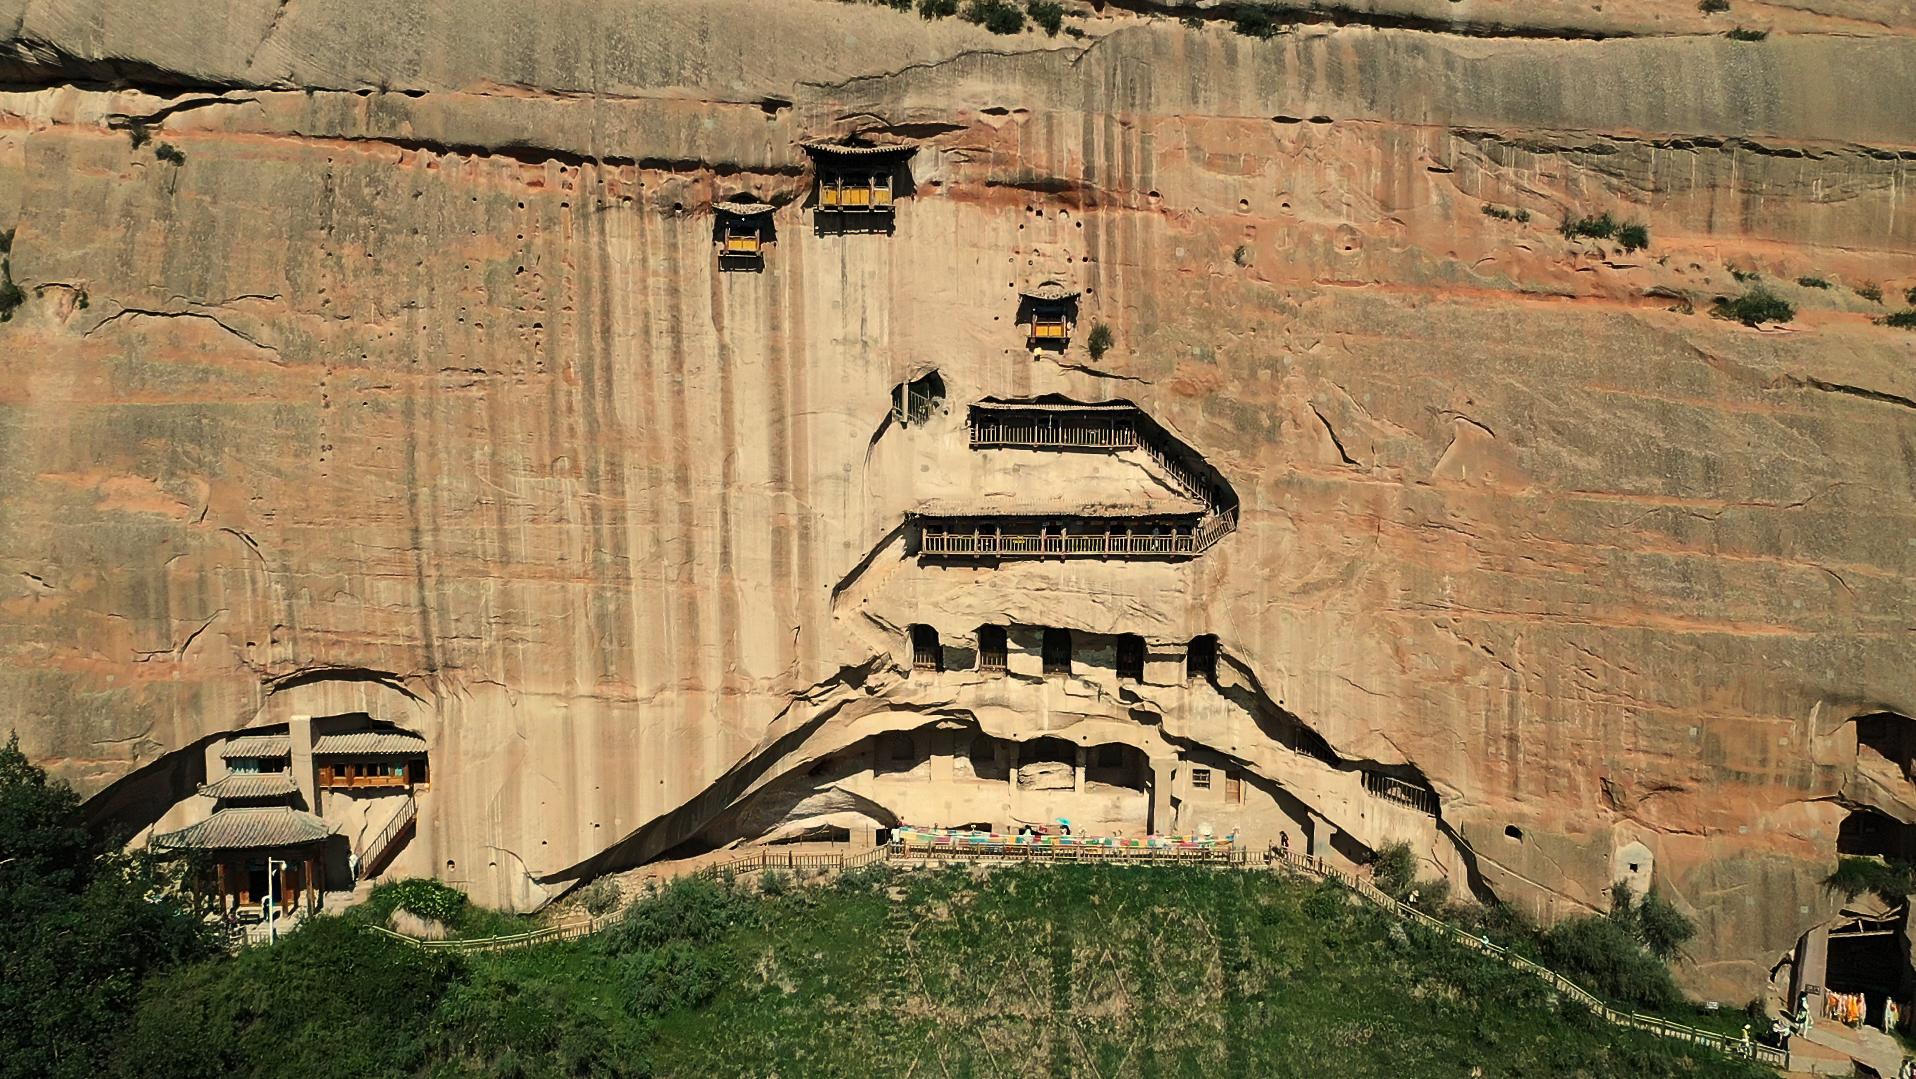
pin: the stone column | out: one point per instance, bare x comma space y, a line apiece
300, 728
1011, 780
1077, 781
1320, 836
1162, 771
1812, 962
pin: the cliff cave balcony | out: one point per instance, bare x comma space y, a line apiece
1049, 310
741, 231
858, 185
941, 535
1058, 424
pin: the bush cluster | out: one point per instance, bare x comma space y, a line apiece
1872, 293
1048, 14
1892, 882
1713, 7
1257, 20
1100, 341
1812, 282
421, 896
1740, 34
1632, 237
601, 897
997, 16
1754, 308
1504, 214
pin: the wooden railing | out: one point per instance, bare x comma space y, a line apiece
1736, 1047
1404, 794
1109, 435
1090, 429
1057, 543
379, 851
1082, 544
1228, 855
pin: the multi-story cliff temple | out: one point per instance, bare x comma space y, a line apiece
652, 438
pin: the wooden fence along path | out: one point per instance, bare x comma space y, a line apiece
1736, 1047
1221, 855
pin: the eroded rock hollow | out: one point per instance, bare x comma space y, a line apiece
736, 421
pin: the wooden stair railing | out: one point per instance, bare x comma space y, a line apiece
380, 851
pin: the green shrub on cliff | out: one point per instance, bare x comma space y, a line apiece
1740, 34
1892, 882
1099, 342
937, 9
1713, 7
1633, 237
11, 295
997, 16
1258, 21
1048, 14
1754, 308
1902, 320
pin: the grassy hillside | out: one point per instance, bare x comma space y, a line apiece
1087, 971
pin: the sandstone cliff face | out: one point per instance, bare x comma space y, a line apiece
415, 389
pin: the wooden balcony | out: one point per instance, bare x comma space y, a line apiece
940, 539
854, 194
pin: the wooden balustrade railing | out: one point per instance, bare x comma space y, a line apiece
1737, 1047
373, 858
1226, 855
1091, 430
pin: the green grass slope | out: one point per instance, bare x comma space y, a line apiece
1092, 972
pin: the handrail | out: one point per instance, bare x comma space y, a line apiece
1317, 867
1232, 855
1098, 431
404, 815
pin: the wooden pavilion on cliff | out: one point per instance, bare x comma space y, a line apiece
1049, 309
858, 184
741, 230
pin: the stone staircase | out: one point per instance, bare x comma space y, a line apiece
1872, 1049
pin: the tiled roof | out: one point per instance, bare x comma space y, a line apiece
362, 743
1095, 408
251, 785
1050, 290
836, 148
248, 829
257, 745
1063, 507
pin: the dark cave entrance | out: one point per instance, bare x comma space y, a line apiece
1867, 833
1870, 957
1891, 735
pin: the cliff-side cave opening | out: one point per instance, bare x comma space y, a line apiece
1891, 735
1869, 957
1868, 833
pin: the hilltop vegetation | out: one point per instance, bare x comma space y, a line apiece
1028, 971
1089, 971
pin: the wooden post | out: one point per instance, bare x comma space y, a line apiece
219, 876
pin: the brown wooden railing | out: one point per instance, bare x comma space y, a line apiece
1228, 855
1208, 532
1105, 435
1404, 794
380, 851
1093, 429
1317, 867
